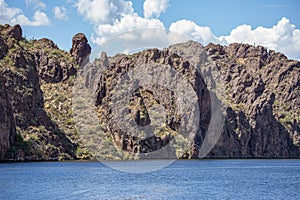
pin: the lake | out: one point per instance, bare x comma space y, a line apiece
183, 179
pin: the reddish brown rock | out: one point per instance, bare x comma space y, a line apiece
80, 48
15, 32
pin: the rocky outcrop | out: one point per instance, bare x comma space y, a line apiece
80, 48
15, 32
12, 34
52, 64
263, 89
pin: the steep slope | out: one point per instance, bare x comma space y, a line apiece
7, 126
263, 92
26, 68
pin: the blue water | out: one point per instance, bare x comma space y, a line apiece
195, 179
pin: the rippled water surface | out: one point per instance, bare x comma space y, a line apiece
194, 179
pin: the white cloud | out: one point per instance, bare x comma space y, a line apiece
7, 13
39, 19
127, 23
202, 34
135, 40
112, 17
60, 13
13, 15
283, 37
104, 11
153, 8
37, 4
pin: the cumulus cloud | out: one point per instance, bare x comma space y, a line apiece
7, 13
283, 37
39, 19
60, 13
202, 34
13, 15
135, 40
36, 3
104, 11
127, 23
111, 17
153, 8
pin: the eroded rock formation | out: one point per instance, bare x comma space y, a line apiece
80, 48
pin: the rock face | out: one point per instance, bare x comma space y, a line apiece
52, 65
80, 48
145, 99
261, 104
263, 89
7, 125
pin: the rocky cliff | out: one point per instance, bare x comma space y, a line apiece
261, 100
263, 112
29, 70
259, 91
7, 126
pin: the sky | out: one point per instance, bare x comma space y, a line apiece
274, 24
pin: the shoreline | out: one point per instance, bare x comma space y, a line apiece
194, 159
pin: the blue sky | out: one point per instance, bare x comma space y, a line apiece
215, 21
